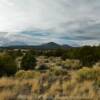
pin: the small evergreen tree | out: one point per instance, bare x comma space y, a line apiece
7, 65
28, 62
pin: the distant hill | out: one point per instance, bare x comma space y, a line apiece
66, 46
15, 43
50, 45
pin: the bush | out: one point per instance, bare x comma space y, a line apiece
71, 64
28, 62
88, 73
7, 65
87, 55
59, 71
43, 67
20, 74
97, 64
14, 54
24, 74
96, 84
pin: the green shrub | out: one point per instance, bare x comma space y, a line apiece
43, 67
14, 54
28, 62
7, 65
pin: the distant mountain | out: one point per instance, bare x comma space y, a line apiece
66, 46
14, 43
50, 45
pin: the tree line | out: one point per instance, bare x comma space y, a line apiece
87, 55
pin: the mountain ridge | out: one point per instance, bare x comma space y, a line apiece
49, 45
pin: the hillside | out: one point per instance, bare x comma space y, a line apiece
50, 45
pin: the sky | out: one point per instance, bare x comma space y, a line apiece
73, 22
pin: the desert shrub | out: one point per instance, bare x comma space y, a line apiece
29, 74
97, 64
28, 62
15, 54
46, 61
19, 53
64, 56
20, 74
88, 73
7, 65
43, 67
96, 84
59, 71
24, 74
71, 64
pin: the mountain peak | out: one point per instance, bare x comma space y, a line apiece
52, 43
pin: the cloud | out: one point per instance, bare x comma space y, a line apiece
61, 21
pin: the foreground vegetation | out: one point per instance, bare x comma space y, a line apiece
72, 74
34, 85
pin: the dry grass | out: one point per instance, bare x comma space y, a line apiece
14, 89
33, 85
7, 95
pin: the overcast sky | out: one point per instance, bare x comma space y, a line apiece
74, 22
